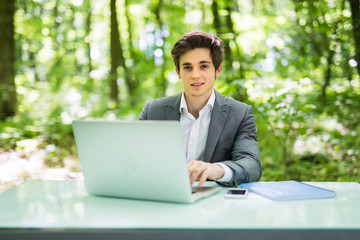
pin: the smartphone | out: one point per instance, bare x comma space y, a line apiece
236, 193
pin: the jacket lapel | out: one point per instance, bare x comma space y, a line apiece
172, 111
218, 118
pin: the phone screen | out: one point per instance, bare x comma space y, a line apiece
236, 192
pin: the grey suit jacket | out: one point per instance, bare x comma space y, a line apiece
232, 134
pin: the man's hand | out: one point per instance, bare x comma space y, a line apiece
199, 170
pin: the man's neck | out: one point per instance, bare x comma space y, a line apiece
195, 104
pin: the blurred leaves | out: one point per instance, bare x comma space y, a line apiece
293, 61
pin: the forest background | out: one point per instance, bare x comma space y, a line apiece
296, 62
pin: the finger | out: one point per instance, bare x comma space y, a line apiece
203, 177
192, 179
195, 172
194, 175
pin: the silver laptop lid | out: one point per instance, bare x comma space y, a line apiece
133, 159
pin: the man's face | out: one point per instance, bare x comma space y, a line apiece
197, 73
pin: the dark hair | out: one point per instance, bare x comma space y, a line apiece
198, 39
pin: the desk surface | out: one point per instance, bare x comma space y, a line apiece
66, 205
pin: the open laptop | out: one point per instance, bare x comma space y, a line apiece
135, 159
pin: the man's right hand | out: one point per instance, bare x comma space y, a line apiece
201, 171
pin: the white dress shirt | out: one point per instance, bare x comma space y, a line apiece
195, 132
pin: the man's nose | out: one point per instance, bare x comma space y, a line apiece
195, 73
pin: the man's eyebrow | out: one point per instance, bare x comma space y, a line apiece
187, 63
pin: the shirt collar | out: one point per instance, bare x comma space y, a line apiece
183, 105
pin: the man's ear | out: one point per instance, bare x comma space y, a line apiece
178, 73
218, 71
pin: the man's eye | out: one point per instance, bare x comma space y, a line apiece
204, 66
187, 68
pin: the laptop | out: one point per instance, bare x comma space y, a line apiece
136, 159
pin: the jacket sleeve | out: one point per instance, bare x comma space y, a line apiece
245, 162
143, 114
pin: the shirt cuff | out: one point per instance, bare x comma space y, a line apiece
228, 173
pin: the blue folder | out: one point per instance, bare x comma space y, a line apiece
288, 190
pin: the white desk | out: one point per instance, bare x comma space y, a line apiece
63, 209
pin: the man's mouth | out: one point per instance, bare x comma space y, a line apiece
196, 84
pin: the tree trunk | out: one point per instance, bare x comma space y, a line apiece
221, 30
162, 78
330, 57
88, 6
114, 51
241, 92
355, 15
215, 11
7, 59
130, 78
228, 32
88, 31
327, 76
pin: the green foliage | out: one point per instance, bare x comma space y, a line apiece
293, 61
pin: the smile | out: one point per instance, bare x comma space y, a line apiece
196, 84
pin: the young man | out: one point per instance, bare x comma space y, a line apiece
219, 132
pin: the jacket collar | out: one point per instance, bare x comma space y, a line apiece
218, 119
172, 108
